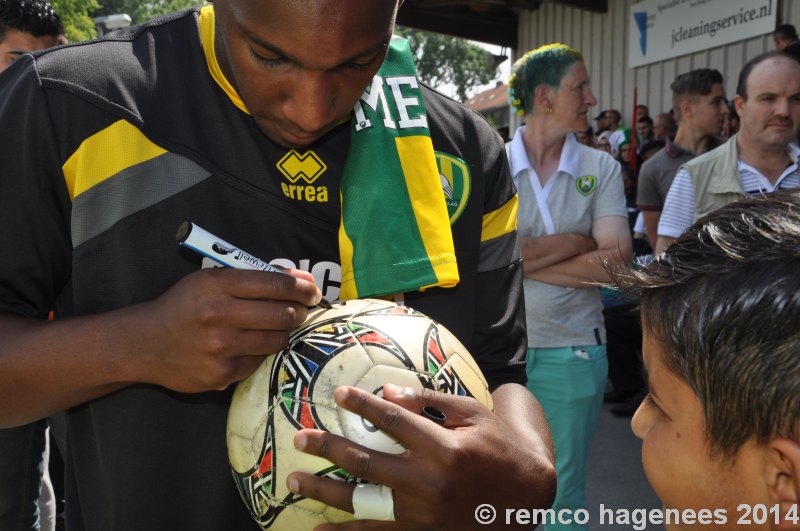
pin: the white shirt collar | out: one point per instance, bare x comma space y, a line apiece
518, 157
792, 151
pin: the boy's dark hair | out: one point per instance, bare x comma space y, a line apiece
744, 74
697, 82
36, 17
723, 301
645, 119
785, 31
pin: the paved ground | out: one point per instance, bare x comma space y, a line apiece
615, 477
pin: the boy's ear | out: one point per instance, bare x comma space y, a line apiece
783, 480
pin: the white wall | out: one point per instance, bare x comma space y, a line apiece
603, 40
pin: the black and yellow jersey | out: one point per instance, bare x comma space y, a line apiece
108, 147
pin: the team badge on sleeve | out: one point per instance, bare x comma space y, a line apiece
586, 184
456, 183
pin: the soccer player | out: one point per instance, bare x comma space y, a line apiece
252, 119
721, 320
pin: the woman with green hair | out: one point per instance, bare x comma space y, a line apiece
572, 224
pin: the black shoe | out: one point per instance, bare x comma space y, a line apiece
616, 397
627, 409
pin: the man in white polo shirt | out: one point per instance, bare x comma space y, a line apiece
759, 159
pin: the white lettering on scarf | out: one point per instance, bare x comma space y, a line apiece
375, 96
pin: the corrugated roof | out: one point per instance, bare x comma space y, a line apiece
494, 98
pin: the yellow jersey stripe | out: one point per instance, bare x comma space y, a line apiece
207, 39
501, 221
106, 153
348, 286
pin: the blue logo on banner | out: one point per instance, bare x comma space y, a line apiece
641, 22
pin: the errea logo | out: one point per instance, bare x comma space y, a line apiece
301, 171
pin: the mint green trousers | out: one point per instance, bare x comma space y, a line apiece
569, 383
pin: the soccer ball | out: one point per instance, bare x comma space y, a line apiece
363, 343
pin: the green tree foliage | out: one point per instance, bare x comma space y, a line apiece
140, 11
76, 16
443, 60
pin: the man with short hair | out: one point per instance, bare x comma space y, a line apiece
664, 126
27, 500
700, 106
760, 158
785, 38
27, 26
721, 321
253, 119
641, 111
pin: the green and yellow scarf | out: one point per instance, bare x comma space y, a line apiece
395, 230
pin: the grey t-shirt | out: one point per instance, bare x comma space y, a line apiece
656, 175
586, 186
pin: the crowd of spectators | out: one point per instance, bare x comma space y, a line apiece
654, 149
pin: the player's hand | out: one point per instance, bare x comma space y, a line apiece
446, 473
215, 326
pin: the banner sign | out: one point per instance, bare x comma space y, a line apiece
663, 29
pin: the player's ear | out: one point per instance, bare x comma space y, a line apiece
783, 480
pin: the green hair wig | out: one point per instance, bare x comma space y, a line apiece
545, 65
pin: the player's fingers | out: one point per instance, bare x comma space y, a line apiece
450, 411
298, 273
405, 424
378, 467
248, 314
265, 285
328, 491
338, 494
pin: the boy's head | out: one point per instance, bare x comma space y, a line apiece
721, 320
27, 26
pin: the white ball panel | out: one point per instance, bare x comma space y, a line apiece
384, 344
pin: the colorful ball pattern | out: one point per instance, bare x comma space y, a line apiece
363, 343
